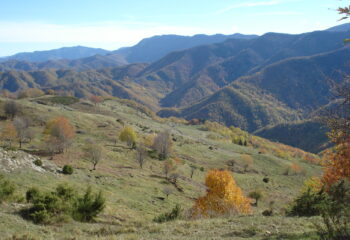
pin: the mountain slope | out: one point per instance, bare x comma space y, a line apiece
187, 76
61, 53
93, 62
154, 48
307, 135
285, 91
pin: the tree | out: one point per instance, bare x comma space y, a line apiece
223, 196
257, 195
167, 191
141, 154
96, 99
60, 134
193, 168
129, 136
30, 93
9, 133
168, 167
11, 108
248, 162
22, 127
162, 144
94, 153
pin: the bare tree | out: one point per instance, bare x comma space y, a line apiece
162, 144
11, 108
141, 154
94, 153
167, 191
22, 127
193, 168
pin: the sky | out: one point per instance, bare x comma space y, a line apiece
30, 25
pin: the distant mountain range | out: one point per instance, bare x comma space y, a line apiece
246, 81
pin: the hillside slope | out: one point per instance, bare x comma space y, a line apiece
135, 196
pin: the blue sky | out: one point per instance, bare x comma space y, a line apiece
28, 25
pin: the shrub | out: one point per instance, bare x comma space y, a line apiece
7, 189
38, 162
63, 204
335, 212
32, 194
307, 204
129, 136
256, 195
86, 208
170, 216
67, 169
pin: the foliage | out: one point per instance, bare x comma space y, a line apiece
257, 195
129, 136
335, 212
9, 133
38, 162
11, 109
171, 216
30, 93
223, 196
62, 100
62, 204
87, 207
60, 133
67, 169
7, 189
96, 99
337, 164
307, 204
168, 167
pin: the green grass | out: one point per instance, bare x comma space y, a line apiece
134, 195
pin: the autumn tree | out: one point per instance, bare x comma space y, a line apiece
11, 109
168, 167
162, 144
129, 136
95, 99
247, 162
22, 127
141, 154
94, 152
30, 93
9, 133
223, 196
60, 134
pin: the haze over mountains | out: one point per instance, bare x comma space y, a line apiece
246, 81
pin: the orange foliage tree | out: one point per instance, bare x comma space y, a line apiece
60, 134
223, 196
337, 165
96, 99
9, 133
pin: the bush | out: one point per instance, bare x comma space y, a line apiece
63, 204
7, 189
307, 204
38, 162
86, 208
335, 212
67, 169
170, 216
32, 194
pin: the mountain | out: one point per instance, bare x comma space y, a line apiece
309, 135
185, 77
93, 62
154, 48
55, 54
340, 28
285, 91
